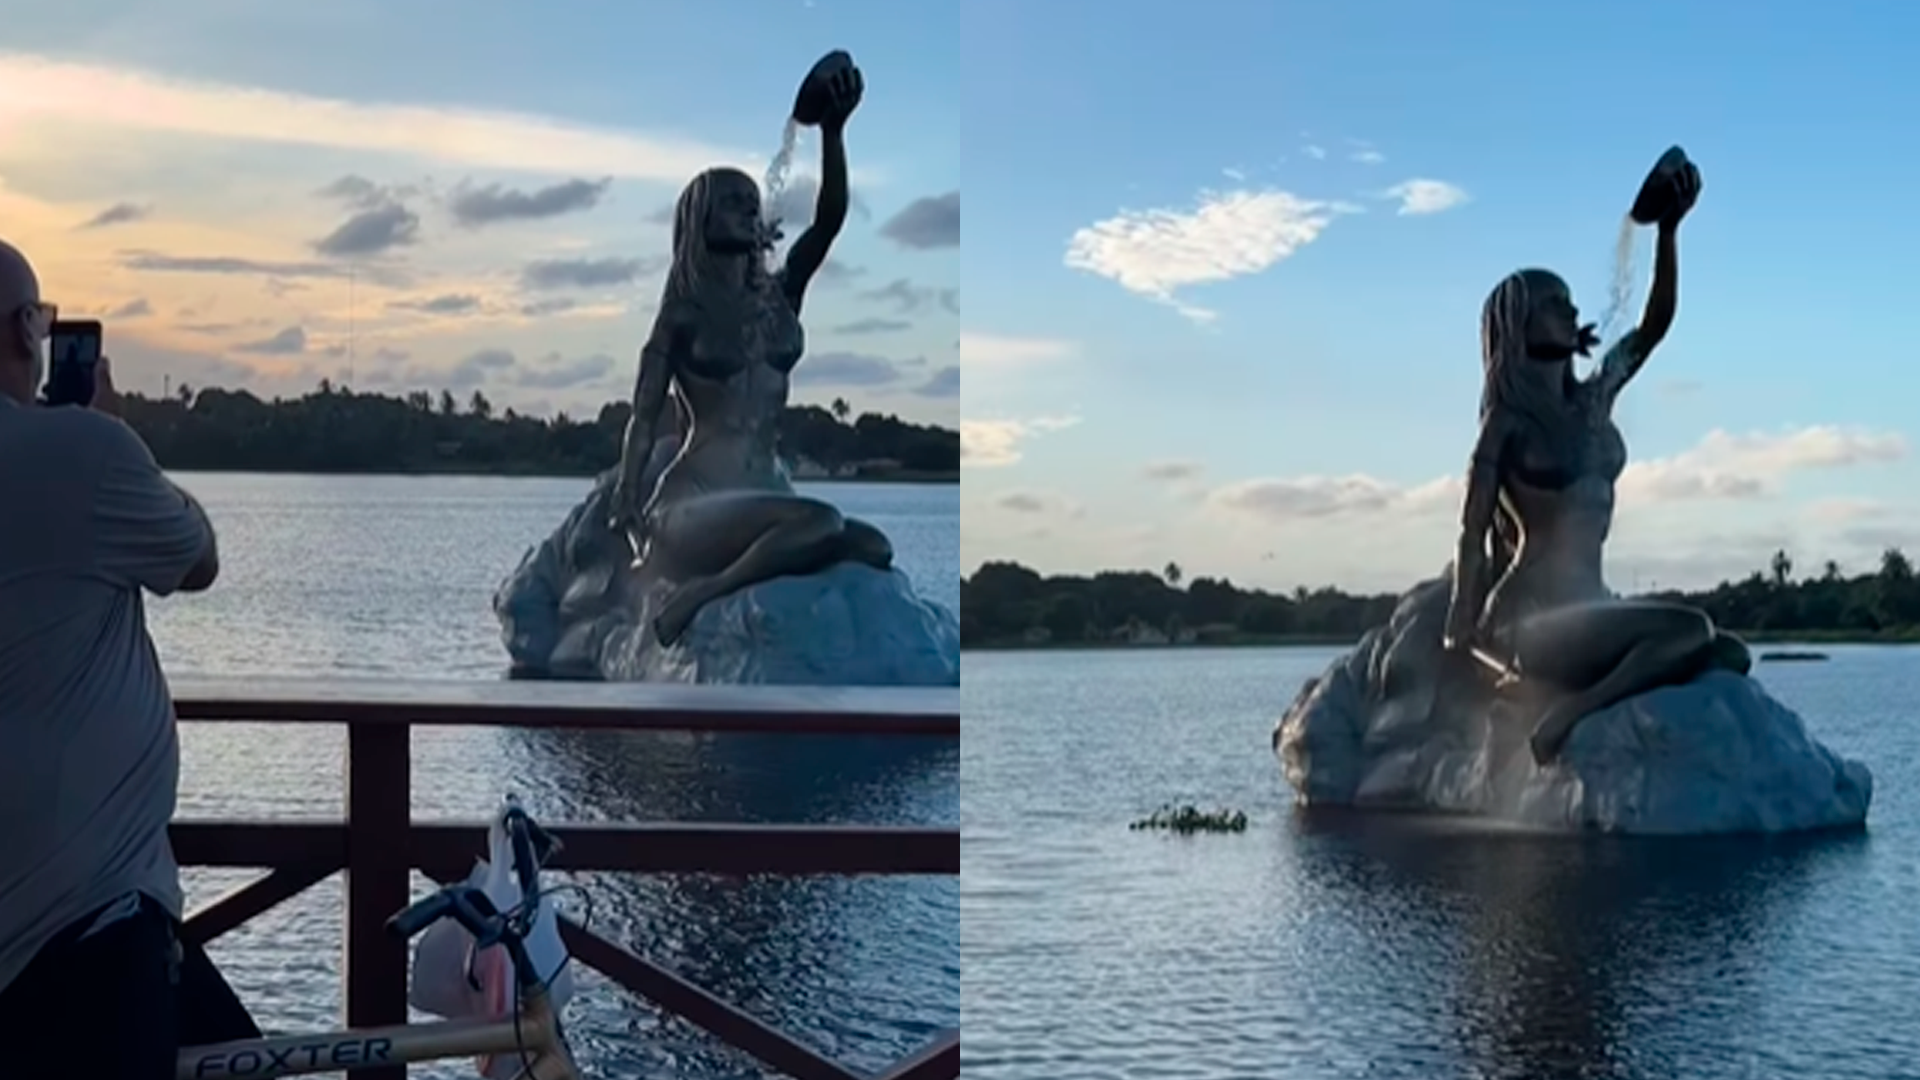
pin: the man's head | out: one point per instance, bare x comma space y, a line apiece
25, 321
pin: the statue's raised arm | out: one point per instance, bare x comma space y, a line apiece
1665, 200
828, 98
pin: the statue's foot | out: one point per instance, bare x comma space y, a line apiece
1729, 653
1550, 734
675, 616
866, 544
1544, 751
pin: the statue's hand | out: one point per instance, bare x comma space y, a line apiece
843, 96
625, 524
1588, 337
1459, 635
771, 234
1686, 192
619, 504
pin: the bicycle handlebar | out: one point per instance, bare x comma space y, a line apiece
419, 915
468, 905
475, 911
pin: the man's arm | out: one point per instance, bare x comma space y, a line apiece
148, 533
206, 569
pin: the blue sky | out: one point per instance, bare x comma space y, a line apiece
203, 173
1225, 263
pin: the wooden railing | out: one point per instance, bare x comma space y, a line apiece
378, 844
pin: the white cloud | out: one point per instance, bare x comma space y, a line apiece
1699, 559
1721, 466
997, 443
982, 349
1172, 471
1303, 498
1426, 196
1039, 503
1369, 157
61, 93
1154, 253
1317, 153
1727, 466
1366, 533
1845, 510
1868, 541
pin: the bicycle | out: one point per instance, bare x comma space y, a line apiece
532, 1033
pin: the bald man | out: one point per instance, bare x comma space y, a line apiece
89, 892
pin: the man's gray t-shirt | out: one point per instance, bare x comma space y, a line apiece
92, 760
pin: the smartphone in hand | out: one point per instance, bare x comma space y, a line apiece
75, 346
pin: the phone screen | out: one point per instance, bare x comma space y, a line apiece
73, 354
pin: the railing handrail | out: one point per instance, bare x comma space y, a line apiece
446, 849
821, 710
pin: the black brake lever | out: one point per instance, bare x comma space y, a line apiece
545, 844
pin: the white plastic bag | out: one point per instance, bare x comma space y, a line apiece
449, 980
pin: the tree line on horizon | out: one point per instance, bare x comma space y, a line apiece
332, 429
1007, 605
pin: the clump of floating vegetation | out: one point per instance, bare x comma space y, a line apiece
1189, 819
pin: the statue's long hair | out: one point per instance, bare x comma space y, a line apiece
1514, 387
695, 265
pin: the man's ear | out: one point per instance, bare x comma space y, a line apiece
24, 331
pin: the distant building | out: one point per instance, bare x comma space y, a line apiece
1136, 632
803, 468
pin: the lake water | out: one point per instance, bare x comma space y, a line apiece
393, 577
1395, 947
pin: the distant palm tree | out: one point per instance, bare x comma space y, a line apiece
840, 409
1173, 574
1894, 566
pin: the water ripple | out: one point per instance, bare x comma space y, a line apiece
1330, 945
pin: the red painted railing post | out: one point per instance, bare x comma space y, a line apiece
379, 816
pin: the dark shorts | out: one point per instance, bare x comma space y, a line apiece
117, 1004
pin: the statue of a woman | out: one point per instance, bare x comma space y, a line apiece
1540, 496
723, 516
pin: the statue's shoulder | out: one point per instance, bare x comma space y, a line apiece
677, 316
1630, 349
1499, 429
1618, 365
673, 330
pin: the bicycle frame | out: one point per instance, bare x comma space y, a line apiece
536, 1033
